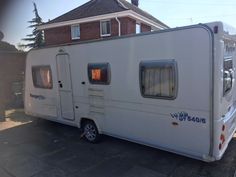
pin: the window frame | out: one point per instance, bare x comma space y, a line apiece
230, 71
95, 66
50, 71
140, 29
71, 29
157, 64
108, 34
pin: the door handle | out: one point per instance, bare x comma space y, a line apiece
60, 84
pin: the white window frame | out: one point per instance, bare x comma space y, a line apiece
105, 35
71, 28
140, 29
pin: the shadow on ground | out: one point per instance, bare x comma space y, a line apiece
18, 115
42, 148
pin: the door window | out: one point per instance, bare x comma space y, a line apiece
42, 77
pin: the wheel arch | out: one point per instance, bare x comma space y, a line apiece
84, 119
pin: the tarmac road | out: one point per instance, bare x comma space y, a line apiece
31, 147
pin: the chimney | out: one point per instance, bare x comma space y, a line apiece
135, 2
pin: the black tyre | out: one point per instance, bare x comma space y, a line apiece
90, 132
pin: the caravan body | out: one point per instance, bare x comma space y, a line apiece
173, 89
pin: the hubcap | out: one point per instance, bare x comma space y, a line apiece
90, 132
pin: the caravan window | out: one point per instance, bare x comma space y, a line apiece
42, 77
228, 75
158, 79
99, 73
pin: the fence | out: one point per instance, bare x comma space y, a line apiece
12, 72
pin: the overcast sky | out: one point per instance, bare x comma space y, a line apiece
171, 12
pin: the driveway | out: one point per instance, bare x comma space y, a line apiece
31, 147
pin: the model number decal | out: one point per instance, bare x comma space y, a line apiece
183, 116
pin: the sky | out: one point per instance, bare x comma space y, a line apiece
174, 13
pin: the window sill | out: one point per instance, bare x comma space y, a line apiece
77, 38
105, 35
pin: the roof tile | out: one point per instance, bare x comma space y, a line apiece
101, 7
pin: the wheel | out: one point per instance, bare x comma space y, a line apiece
90, 132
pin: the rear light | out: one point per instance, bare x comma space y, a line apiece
222, 138
220, 146
223, 127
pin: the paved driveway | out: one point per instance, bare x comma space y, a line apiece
31, 147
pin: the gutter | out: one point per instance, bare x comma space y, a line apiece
118, 21
126, 13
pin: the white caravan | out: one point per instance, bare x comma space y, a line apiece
172, 89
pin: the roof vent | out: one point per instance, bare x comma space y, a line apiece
135, 2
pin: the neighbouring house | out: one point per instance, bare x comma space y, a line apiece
12, 71
99, 19
12, 68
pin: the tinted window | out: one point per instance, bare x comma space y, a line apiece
228, 75
99, 73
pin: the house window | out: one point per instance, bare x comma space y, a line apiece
138, 28
75, 32
105, 27
99, 73
42, 77
158, 79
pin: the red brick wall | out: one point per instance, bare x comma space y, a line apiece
128, 26
114, 27
58, 35
90, 31
145, 28
12, 68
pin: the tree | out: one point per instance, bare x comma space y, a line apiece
4, 46
21, 47
36, 39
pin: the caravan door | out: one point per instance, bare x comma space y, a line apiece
65, 87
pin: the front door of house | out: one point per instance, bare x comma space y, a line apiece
65, 86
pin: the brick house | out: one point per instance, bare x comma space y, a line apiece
12, 70
99, 19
